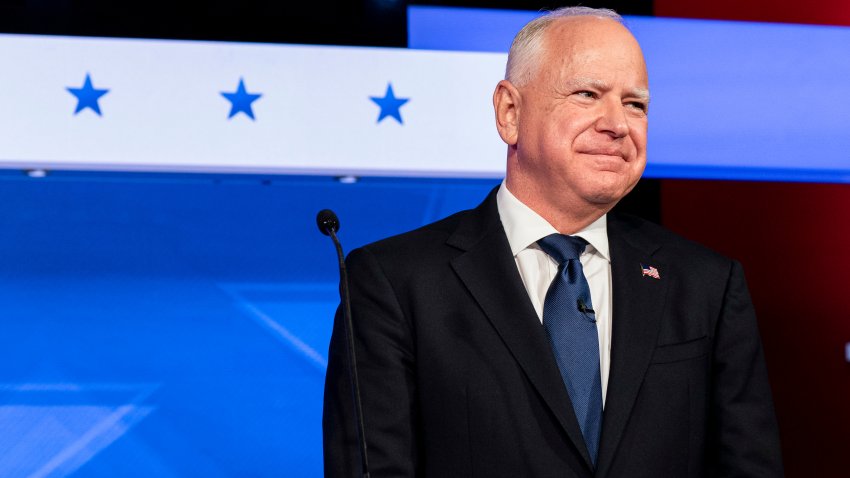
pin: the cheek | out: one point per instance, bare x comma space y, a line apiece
638, 136
554, 148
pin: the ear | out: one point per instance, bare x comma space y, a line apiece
506, 103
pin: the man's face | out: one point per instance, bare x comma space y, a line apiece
581, 136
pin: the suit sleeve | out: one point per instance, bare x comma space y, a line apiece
384, 347
744, 435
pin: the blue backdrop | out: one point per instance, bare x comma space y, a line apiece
177, 325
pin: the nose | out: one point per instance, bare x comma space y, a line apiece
612, 119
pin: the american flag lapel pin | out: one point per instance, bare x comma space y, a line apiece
650, 271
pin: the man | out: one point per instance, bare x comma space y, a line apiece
485, 349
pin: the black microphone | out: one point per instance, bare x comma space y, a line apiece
329, 224
583, 308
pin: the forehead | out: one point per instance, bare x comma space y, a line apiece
593, 47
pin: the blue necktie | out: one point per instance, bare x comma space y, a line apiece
570, 323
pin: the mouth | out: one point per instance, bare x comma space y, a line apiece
606, 154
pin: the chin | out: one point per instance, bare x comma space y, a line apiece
606, 194
604, 202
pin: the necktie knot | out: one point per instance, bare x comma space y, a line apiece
561, 247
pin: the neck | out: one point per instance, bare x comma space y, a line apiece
566, 213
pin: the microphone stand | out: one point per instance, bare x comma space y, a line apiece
328, 225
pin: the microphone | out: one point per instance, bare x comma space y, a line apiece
328, 224
583, 308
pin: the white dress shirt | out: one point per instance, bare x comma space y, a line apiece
524, 228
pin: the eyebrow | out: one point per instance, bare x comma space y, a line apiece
637, 92
640, 93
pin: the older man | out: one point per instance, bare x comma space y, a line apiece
540, 336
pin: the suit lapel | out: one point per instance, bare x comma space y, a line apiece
490, 274
638, 304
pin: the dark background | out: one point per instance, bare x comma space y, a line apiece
792, 238
335, 22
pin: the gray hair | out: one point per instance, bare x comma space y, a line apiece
525, 49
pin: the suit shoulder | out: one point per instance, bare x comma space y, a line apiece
422, 241
670, 243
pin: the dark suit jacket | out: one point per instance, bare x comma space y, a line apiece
458, 378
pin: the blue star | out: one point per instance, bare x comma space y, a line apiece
241, 100
389, 104
87, 96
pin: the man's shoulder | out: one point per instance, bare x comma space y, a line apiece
458, 231
666, 244
423, 241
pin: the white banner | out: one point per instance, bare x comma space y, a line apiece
154, 105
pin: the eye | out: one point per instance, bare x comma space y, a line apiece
638, 105
585, 94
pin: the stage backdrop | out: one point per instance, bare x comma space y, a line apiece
175, 324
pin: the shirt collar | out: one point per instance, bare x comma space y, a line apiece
524, 227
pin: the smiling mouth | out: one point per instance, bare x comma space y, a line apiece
610, 153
